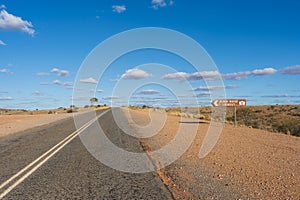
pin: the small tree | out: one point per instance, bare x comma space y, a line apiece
93, 100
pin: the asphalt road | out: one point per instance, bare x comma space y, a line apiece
71, 172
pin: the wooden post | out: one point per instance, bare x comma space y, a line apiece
235, 117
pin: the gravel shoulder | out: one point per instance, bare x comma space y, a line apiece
245, 163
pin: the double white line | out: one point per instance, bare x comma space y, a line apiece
42, 159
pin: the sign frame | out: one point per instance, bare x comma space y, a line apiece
230, 103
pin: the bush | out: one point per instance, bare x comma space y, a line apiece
245, 115
255, 124
294, 114
290, 126
50, 112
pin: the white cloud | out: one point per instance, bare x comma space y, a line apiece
181, 76
119, 8
156, 4
2, 6
45, 83
110, 97
292, 70
242, 75
54, 70
4, 71
5, 98
14, 23
236, 75
203, 94
231, 86
89, 80
264, 72
67, 83
37, 93
60, 72
42, 74
208, 75
276, 96
58, 82
214, 75
148, 92
135, 74
209, 88
2, 43
100, 91
178, 75
63, 73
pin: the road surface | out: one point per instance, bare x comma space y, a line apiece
50, 162
68, 171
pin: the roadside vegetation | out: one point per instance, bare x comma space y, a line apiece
59, 110
275, 118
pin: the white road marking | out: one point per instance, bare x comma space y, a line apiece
58, 147
39, 158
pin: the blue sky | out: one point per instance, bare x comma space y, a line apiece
255, 45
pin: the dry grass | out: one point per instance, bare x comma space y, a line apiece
60, 110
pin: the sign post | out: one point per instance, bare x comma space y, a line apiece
235, 116
230, 103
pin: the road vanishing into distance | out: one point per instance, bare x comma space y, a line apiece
50, 162
61, 160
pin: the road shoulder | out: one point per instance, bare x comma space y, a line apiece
245, 163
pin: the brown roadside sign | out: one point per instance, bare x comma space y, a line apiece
229, 102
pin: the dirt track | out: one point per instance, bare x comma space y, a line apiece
245, 163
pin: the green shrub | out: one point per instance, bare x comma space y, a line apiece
245, 115
289, 126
